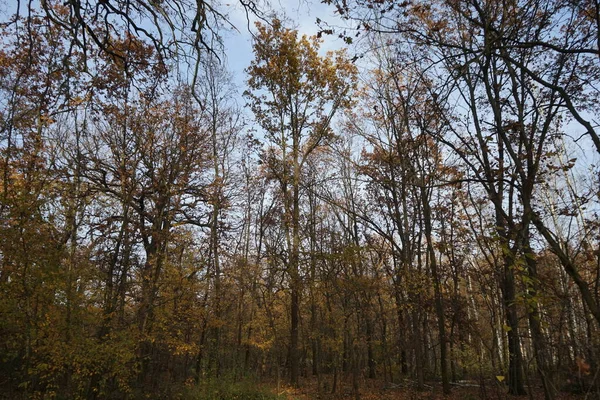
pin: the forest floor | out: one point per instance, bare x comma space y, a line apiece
377, 389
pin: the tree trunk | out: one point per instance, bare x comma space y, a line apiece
439, 300
515, 368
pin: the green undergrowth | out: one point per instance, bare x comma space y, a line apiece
229, 389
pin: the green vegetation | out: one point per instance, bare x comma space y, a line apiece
229, 389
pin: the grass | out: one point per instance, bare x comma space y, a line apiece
229, 389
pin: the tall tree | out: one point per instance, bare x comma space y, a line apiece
294, 95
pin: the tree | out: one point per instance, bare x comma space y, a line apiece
294, 95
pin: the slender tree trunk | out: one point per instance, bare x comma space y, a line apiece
537, 336
439, 300
370, 355
294, 266
418, 350
515, 367
214, 360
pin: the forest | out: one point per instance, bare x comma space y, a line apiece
413, 213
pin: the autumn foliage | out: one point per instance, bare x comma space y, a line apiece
419, 224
